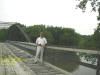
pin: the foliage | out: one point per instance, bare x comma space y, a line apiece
56, 33
94, 4
34, 31
69, 37
3, 34
97, 36
88, 43
94, 40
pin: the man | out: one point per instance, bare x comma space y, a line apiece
40, 43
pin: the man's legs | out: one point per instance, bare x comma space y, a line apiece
37, 53
41, 56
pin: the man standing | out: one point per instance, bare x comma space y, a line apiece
40, 43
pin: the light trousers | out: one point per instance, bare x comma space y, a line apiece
39, 52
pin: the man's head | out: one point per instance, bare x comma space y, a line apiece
41, 34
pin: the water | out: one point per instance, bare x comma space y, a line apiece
83, 70
69, 61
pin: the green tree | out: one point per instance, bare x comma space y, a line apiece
88, 43
69, 37
56, 32
34, 32
3, 34
97, 36
94, 4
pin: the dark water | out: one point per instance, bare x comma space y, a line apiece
69, 61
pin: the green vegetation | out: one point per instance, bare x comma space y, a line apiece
34, 31
3, 34
58, 35
94, 40
93, 3
55, 35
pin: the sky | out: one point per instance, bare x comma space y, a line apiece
61, 13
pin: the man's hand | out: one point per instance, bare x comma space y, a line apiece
44, 46
38, 44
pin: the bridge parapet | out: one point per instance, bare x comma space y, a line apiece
66, 49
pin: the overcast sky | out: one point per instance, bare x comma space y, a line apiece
49, 12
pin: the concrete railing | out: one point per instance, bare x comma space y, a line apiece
66, 49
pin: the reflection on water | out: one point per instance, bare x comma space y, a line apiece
62, 59
68, 61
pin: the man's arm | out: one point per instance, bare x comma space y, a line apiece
37, 42
45, 41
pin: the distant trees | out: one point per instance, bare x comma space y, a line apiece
64, 36
94, 40
54, 35
88, 43
69, 37
34, 32
3, 34
97, 36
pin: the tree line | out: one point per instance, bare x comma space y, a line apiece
55, 36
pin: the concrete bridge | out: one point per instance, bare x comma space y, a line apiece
11, 63
9, 52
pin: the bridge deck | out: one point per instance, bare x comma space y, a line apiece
24, 66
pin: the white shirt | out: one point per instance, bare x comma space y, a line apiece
41, 41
